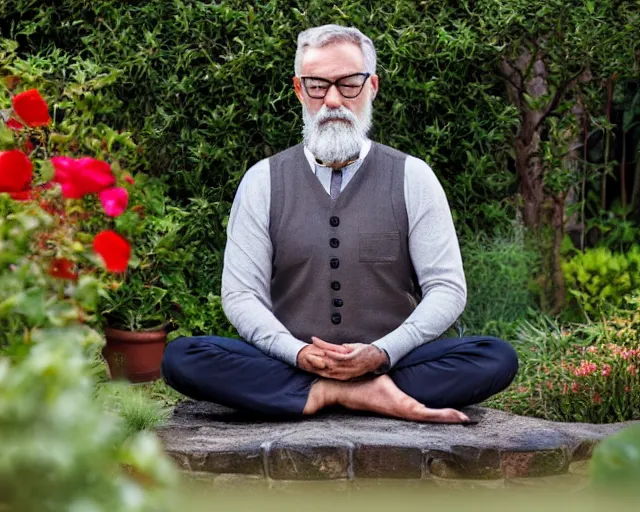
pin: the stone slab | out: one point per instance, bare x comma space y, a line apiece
208, 438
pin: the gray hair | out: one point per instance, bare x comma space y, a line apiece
325, 35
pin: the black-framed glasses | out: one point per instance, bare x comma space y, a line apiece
349, 86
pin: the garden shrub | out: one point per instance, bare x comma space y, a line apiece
499, 273
61, 450
599, 281
583, 373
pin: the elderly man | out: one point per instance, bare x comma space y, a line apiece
342, 270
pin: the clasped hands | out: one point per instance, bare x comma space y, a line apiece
340, 362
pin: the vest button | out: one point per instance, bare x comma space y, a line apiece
336, 318
335, 263
338, 303
334, 221
335, 285
334, 243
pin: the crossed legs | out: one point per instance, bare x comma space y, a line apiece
423, 386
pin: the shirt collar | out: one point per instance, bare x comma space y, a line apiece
364, 151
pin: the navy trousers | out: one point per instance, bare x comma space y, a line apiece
449, 372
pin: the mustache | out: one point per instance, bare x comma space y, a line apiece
325, 115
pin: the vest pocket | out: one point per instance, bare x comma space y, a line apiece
379, 247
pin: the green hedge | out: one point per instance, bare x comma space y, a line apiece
206, 86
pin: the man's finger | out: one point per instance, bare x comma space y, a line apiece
315, 351
329, 346
346, 357
338, 356
323, 363
316, 361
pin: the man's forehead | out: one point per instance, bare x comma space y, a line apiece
333, 61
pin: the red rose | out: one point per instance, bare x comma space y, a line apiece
62, 268
16, 171
114, 201
13, 124
81, 176
114, 250
31, 108
25, 195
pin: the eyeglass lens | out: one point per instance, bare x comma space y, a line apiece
349, 86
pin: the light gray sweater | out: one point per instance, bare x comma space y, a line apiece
433, 246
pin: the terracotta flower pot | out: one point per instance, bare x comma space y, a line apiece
135, 356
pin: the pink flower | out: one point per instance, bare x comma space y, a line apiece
626, 354
592, 350
114, 201
585, 369
632, 369
129, 179
81, 176
606, 370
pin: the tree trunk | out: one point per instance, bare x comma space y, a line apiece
527, 78
529, 170
527, 144
635, 194
623, 172
557, 276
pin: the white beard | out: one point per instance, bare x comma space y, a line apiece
336, 141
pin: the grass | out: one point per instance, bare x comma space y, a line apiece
142, 407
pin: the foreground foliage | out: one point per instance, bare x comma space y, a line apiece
615, 465
61, 448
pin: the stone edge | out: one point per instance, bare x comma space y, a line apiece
342, 459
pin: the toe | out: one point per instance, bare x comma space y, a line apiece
460, 416
456, 416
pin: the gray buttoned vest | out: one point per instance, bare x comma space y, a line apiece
341, 269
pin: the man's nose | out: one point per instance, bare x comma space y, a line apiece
333, 99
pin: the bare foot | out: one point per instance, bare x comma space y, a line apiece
378, 395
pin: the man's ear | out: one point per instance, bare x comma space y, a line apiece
297, 86
374, 86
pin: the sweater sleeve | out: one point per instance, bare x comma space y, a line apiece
246, 274
435, 254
